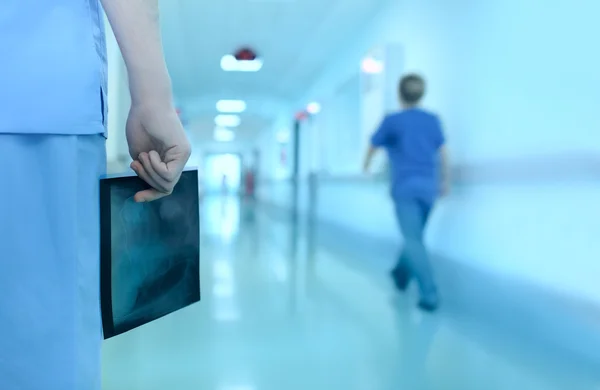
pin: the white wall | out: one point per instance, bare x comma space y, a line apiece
511, 79
118, 102
337, 124
270, 165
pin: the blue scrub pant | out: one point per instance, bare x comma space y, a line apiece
50, 324
412, 215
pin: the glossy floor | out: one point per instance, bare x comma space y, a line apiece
278, 313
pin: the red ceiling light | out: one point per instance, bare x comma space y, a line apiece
243, 60
245, 54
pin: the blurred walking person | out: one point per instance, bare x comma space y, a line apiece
249, 180
224, 185
415, 145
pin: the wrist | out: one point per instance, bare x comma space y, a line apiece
151, 89
151, 97
156, 103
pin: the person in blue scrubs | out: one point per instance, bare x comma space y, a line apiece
53, 111
414, 142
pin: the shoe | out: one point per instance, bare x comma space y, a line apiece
401, 278
429, 307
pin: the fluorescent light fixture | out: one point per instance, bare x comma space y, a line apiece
230, 64
371, 66
231, 106
223, 135
313, 108
228, 120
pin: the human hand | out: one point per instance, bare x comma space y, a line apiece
444, 189
159, 148
366, 169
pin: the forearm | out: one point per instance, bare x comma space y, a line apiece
444, 167
136, 27
369, 157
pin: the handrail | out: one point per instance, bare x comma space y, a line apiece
575, 166
534, 169
326, 177
352, 178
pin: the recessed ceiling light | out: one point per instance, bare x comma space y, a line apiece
371, 66
313, 108
230, 64
228, 120
222, 134
231, 106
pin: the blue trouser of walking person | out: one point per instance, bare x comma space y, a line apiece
412, 215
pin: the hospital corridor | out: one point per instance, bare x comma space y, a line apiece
298, 234
392, 195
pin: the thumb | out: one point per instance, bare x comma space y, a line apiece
148, 195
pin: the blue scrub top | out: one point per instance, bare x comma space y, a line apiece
412, 139
53, 71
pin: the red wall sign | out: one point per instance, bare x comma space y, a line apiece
302, 115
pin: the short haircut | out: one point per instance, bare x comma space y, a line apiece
411, 88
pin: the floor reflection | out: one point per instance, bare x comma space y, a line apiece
280, 312
221, 217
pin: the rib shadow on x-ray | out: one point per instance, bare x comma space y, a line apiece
150, 253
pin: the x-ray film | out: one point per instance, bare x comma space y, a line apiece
150, 253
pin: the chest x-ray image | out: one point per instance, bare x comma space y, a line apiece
150, 255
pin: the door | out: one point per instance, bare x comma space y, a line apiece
222, 173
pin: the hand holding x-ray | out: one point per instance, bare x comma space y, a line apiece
159, 147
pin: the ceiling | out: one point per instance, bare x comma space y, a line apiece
295, 38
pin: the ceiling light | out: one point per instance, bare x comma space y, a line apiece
232, 106
313, 108
223, 135
227, 120
230, 64
371, 66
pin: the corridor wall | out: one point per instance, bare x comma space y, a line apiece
119, 102
275, 163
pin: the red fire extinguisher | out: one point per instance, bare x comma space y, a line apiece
250, 181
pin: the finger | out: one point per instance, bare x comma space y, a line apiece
141, 172
162, 184
160, 167
148, 195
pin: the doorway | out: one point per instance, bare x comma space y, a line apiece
222, 173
